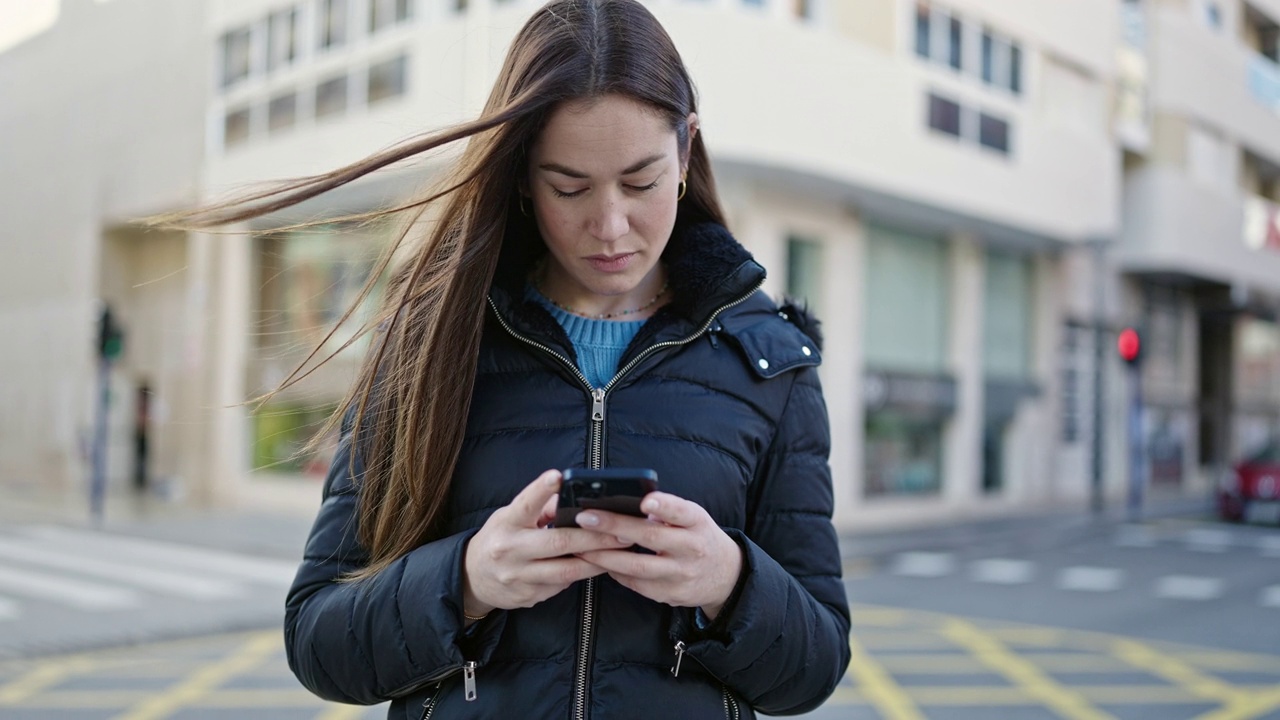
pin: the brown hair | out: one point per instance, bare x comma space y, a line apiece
409, 409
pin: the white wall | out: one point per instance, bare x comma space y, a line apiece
102, 122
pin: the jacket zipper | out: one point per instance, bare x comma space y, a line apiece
730, 704
586, 633
468, 682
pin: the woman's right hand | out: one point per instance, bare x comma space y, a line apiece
515, 561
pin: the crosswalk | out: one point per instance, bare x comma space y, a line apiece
1263, 547
43, 566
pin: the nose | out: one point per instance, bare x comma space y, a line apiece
608, 221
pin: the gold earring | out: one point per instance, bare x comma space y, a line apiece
684, 187
523, 211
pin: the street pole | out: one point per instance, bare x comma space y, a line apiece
1096, 502
98, 479
1137, 459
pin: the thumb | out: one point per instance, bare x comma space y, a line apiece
527, 506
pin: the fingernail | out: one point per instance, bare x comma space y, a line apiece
588, 519
650, 506
551, 479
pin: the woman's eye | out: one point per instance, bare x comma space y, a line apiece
643, 188
562, 194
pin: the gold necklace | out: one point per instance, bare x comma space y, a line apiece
537, 285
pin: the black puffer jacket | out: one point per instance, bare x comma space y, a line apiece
719, 393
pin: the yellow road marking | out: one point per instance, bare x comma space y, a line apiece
886, 617
199, 684
879, 688
44, 676
1022, 673
1231, 661
1247, 708
1175, 671
341, 712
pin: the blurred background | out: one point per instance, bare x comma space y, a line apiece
1043, 237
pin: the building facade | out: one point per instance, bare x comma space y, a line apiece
969, 193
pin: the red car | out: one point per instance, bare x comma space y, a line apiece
1250, 492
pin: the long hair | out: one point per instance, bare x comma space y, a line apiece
409, 405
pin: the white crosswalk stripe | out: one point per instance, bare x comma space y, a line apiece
923, 564
1208, 540
1186, 587
1270, 546
162, 581
999, 571
271, 572
66, 591
1090, 579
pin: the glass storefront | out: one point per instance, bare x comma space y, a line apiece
908, 397
1008, 308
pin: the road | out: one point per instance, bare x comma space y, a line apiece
1033, 618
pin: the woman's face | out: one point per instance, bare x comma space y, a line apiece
604, 176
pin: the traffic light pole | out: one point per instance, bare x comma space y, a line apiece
98, 478
1137, 456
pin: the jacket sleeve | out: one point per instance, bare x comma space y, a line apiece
368, 641
783, 642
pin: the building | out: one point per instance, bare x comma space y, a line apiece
1200, 239
940, 180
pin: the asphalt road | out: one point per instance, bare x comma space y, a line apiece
1034, 618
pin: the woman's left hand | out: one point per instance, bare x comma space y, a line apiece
697, 564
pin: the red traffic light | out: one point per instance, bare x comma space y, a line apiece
1130, 345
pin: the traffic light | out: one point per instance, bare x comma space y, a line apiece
110, 336
1130, 345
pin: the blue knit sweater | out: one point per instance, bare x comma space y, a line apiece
598, 343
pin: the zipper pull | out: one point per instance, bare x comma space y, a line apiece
715, 330
597, 405
469, 680
675, 671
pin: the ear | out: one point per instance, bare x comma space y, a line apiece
687, 150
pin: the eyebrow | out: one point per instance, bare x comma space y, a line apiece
578, 174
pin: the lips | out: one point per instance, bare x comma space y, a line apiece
611, 263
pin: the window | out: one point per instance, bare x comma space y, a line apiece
331, 97
282, 38
333, 23
907, 290
1007, 317
922, 31
235, 56
385, 13
387, 79
944, 115
235, 127
282, 112
804, 271
993, 133
939, 36
753, 3
954, 44
1001, 62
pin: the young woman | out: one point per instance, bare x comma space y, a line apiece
578, 303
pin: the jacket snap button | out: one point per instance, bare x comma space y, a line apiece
764, 364
805, 350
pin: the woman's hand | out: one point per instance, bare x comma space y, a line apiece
516, 561
697, 563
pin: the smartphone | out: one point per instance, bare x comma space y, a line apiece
617, 490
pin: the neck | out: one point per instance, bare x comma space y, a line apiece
637, 304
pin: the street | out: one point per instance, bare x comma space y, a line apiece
1062, 616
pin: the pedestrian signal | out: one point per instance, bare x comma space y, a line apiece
1130, 346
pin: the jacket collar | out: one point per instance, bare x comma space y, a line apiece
706, 269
